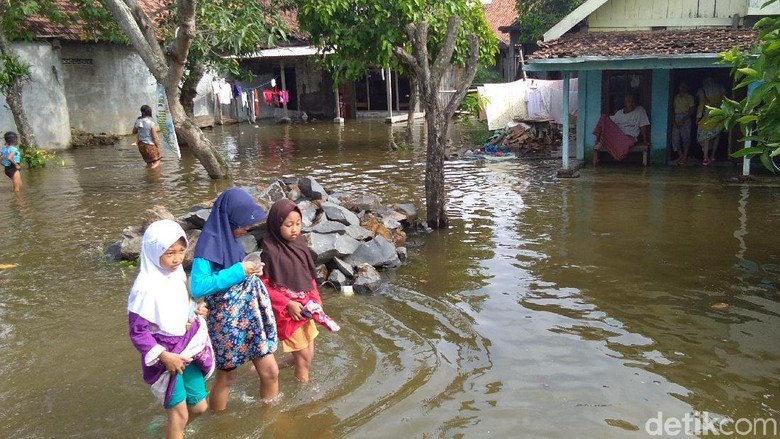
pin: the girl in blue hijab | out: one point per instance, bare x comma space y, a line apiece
240, 320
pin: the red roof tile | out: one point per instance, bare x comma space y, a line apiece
660, 42
501, 13
42, 27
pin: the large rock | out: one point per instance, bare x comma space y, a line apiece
294, 193
379, 252
310, 188
367, 279
197, 217
156, 213
325, 247
338, 264
130, 248
368, 202
408, 209
402, 253
376, 227
391, 223
399, 238
338, 279
321, 274
308, 212
329, 227
334, 212
359, 232
113, 252
272, 192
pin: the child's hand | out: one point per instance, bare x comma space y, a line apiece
202, 310
294, 309
174, 363
251, 268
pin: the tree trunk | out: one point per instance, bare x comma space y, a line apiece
168, 69
413, 93
437, 119
13, 91
189, 87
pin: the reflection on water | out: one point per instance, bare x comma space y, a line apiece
571, 308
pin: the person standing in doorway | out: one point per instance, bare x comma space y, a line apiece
708, 134
148, 138
683, 107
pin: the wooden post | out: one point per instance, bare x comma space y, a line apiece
284, 87
565, 128
388, 83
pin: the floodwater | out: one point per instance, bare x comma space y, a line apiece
598, 307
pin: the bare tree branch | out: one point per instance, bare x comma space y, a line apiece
445, 54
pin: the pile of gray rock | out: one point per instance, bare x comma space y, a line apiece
350, 236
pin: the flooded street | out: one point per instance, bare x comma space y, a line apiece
550, 308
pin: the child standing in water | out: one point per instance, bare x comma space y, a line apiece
290, 280
176, 354
241, 321
11, 157
148, 138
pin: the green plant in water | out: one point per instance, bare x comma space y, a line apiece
473, 103
35, 158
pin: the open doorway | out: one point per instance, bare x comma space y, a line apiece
724, 143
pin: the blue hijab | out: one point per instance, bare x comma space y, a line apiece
232, 210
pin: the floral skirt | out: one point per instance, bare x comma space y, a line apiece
241, 324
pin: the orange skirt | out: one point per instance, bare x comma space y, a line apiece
301, 338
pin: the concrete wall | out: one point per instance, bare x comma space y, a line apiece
93, 87
105, 86
43, 97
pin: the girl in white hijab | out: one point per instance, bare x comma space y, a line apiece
176, 353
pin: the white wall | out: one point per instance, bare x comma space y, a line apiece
43, 97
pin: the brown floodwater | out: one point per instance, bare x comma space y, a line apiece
551, 308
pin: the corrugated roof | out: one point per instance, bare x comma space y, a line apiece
500, 13
659, 42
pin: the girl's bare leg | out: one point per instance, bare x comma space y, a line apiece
17, 181
268, 371
218, 397
177, 420
303, 362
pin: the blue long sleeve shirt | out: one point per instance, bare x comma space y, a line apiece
206, 279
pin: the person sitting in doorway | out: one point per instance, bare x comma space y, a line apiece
619, 132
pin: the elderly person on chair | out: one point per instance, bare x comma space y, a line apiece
619, 132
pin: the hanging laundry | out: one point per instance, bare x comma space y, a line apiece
268, 97
225, 92
284, 97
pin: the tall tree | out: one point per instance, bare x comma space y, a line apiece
538, 16
167, 66
758, 114
406, 35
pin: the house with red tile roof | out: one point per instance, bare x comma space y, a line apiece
78, 81
503, 14
646, 48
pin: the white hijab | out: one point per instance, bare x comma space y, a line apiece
157, 295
